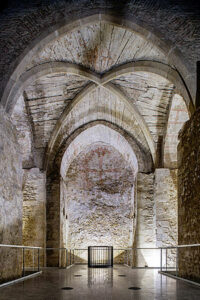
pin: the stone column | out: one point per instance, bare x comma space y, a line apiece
53, 219
166, 202
34, 214
145, 231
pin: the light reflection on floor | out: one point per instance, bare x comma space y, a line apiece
100, 276
100, 284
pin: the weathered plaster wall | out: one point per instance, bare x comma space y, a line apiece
188, 196
99, 199
34, 212
10, 198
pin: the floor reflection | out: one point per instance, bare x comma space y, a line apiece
100, 276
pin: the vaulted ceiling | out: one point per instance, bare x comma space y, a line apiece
99, 47
96, 86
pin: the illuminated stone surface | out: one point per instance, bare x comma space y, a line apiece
10, 198
99, 196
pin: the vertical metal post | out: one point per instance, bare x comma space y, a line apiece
58, 257
166, 259
73, 257
44, 257
127, 257
161, 259
17, 256
66, 257
176, 261
33, 260
112, 256
70, 257
38, 259
23, 262
131, 262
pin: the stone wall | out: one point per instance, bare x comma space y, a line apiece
188, 196
34, 212
99, 199
156, 212
10, 199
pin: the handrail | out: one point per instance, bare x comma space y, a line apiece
19, 246
177, 253
135, 248
49, 248
23, 273
180, 246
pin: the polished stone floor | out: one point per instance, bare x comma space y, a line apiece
96, 284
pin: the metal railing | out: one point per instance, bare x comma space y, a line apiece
29, 261
174, 261
16, 255
139, 258
181, 262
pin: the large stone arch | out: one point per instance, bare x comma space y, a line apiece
144, 158
164, 70
99, 136
54, 207
144, 66
61, 28
154, 67
105, 80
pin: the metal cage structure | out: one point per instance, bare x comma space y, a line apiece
100, 256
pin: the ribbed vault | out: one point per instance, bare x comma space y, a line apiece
130, 95
99, 70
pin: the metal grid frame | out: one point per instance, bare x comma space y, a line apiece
100, 256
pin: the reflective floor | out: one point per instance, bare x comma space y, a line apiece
92, 284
